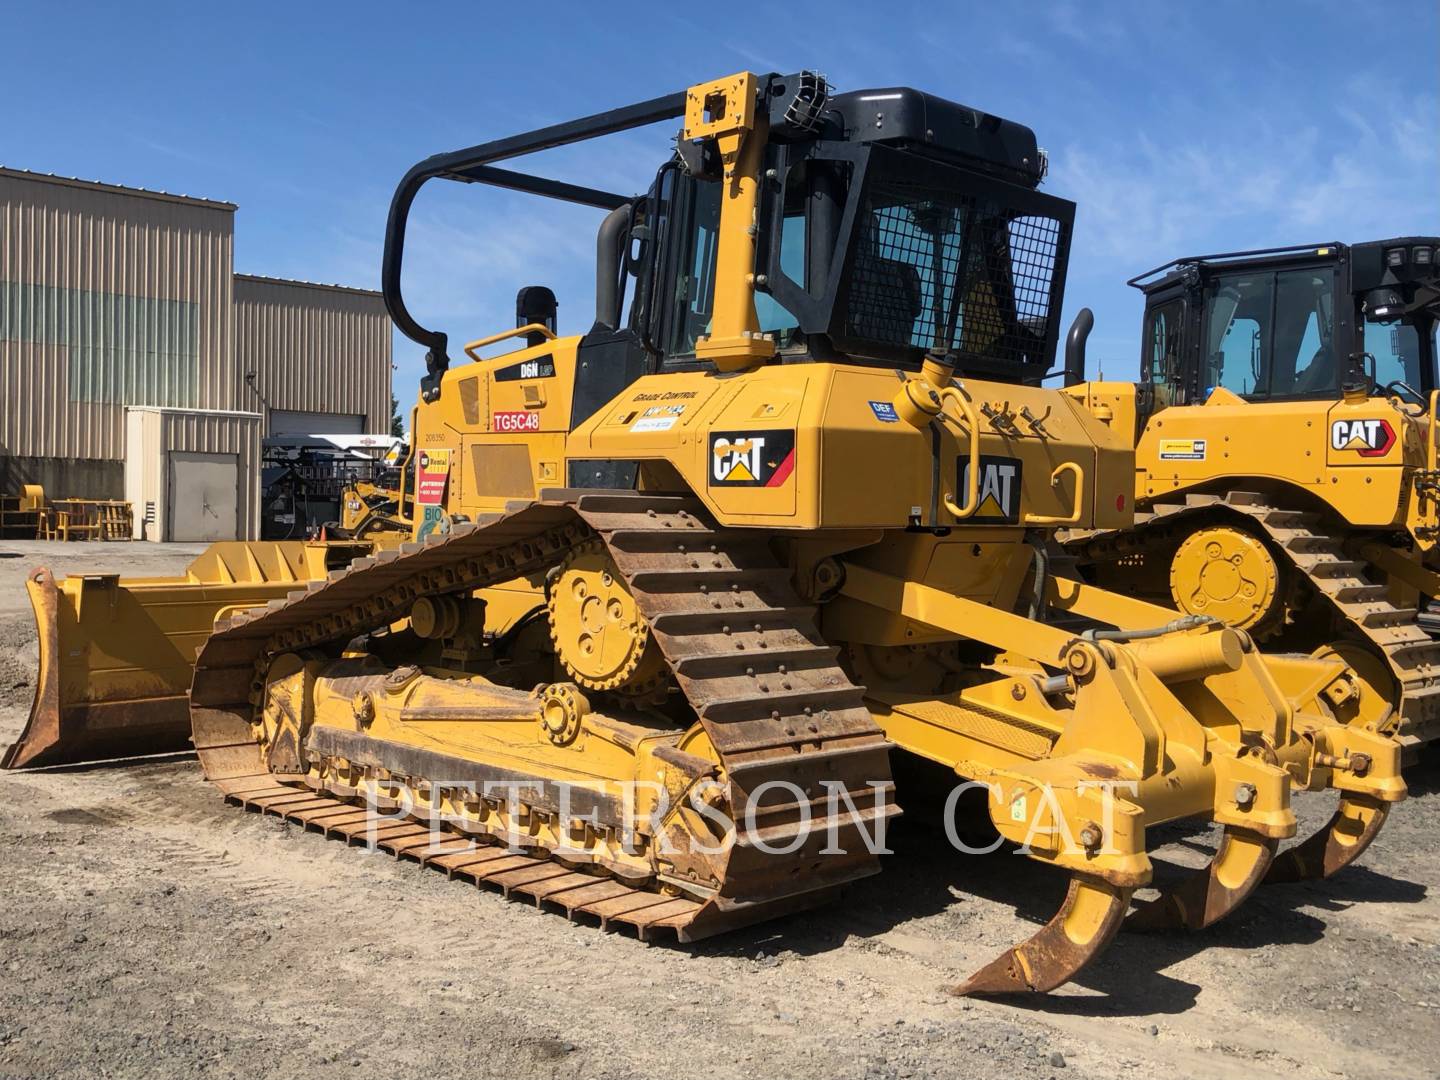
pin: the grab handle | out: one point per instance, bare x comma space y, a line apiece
1073, 518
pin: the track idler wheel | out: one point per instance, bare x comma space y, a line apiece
1356, 822
1226, 573
1090, 916
1208, 895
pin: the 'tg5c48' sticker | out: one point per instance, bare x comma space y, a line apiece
751, 458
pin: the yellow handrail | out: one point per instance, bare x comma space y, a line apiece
1073, 518
405, 465
529, 328
1430, 450
972, 486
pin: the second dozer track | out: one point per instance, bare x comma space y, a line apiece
741, 647
1306, 554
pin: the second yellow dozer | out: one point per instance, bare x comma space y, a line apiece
378, 515
1286, 474
679, 584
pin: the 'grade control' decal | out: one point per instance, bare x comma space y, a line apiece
751, 458
999, 488
540, 368
1368, 438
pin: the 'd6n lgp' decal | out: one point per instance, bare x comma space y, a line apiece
1368, 438
751, 458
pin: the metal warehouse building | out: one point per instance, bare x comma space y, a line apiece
313, 358
135, 363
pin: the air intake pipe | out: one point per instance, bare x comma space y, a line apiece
1075, 346
610, 244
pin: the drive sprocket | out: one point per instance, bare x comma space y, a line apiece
599, 635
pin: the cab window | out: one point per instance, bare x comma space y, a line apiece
1396, 349
775, 319
1304, 329
1162, 342
693, 301
1272, 334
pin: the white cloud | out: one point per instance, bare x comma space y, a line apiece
1145, 202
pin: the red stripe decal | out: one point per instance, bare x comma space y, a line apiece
782, 471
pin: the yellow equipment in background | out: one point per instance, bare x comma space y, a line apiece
20, 515
31, 516
1286, 478
751, 531
374, 514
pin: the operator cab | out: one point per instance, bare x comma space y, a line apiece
1293, 324
894, 225
890, 225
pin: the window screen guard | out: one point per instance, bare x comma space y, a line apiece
933, 257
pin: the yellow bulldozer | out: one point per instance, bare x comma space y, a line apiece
679, 585
1286, 476
374, 513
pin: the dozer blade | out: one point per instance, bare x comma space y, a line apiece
116, 654
1344, 838
1090, 916
1208, 895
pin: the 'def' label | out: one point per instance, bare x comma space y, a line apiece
515, 421
751, 458
1182, 449
884, 412
540, 368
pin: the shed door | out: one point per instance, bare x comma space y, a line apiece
290, 422
202, 496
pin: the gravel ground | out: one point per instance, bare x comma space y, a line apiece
147, 930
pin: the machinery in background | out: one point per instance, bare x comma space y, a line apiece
1286, 474
32, 516
308, 483
379, 515
20, 515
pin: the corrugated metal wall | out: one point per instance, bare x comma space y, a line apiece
223, 433
108, 297
314, 348
156, 432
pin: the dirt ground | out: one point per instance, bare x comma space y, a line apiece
146, 929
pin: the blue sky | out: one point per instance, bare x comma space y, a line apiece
1178, 129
